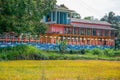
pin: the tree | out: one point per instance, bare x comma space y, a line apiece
23, 16
88, 18
115, 21
112, 19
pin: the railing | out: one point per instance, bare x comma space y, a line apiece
54, 39
3, 39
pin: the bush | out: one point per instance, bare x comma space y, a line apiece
109, 52
74, 52
97, 51
82, 51
25, 52
117, 53
20, 52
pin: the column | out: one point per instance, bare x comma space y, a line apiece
63, 18
18, 39
80, 41
67, 18
76, 41
96, 42
59, 18
46, 39
102, 42
58, 40
50, 39
13, 39
56, 16
55, 40
6, 39
41, 39
92, 41
72, 41
84, 41
51, 16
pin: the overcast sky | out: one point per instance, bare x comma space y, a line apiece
96, 8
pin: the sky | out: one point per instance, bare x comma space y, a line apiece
96, 8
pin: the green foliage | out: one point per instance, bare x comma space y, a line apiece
109, 52
23, 16
62, 46
97, 51
82, 51
117, 53
88, 18
25, 52
114, 20
19, 52
117, 44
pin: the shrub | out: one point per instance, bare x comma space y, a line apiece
82, 51
97, 51
117, 53
20, 52
109, 52
75, 52
25, 52
62, 46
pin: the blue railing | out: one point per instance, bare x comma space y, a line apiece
52, 46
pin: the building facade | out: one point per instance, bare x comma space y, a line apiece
65, 24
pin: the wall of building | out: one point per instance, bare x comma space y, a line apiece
57, 17
53, 28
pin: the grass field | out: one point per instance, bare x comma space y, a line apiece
60, 70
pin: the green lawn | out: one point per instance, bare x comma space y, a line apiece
60, 70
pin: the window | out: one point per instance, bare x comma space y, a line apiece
79, 39
69, 15
88, 32
74, 39
81, 31
106, 33
74, 30
54, 16
112, 33
82, 39
94, 32
66, 30
48, 18
99, 32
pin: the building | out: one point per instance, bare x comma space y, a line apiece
65, 24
